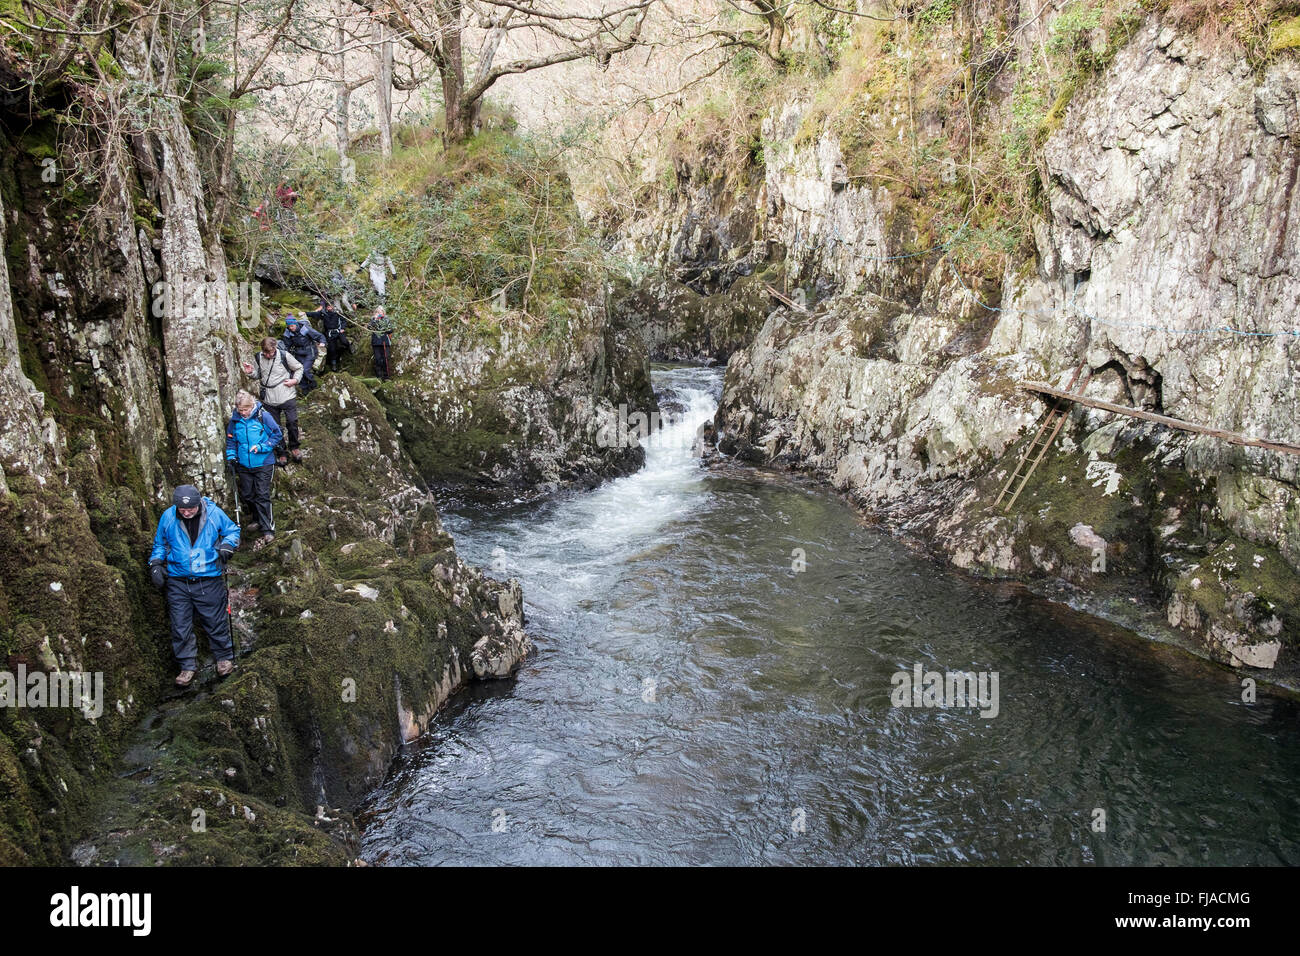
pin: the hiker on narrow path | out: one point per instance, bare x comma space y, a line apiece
304, 343
194, 540
336, 339
379, 264
381, 343
251, 438
278, 373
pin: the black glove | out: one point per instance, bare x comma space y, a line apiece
224, 552
157, 575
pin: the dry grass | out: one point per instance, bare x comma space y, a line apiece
950, 116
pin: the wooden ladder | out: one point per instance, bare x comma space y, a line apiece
1051, 424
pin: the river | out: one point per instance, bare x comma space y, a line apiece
719, 655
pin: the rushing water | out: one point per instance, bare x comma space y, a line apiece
700, 696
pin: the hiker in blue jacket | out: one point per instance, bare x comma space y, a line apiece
251, 437
194, 540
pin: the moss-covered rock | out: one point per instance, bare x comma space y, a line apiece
66, 608
354, 626
519, 415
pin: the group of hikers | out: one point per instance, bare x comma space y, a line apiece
285, 197
195, 538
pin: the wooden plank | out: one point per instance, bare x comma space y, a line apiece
1233, 437
784, 299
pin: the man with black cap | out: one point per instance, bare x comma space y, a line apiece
193, 542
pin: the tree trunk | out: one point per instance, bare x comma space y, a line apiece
457, 115
775, 18
221, 207
459, 125
776, 34
384, 88
342, 98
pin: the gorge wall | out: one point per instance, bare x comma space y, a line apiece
120, 344
1164, 265
517, 416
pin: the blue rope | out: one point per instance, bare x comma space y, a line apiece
991, 308
906, 255
1205, 330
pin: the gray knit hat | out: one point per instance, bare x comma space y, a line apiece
186, 496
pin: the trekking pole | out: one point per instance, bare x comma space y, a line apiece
270, 492
234, 488
230, 614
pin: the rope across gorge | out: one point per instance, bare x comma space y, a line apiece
944, 247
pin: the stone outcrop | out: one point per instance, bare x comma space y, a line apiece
696, 293
521, 415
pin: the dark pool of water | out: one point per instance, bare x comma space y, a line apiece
699, 696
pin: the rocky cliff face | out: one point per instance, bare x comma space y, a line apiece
697, 294
521, 415
119, 340
354, 629
124, 295
1165, 270
106, 401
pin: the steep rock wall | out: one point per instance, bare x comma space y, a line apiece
1165, 267
522, 414
119, 345
106, 407
696, 293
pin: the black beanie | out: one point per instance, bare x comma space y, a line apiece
186, 496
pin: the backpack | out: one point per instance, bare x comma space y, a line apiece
280, 352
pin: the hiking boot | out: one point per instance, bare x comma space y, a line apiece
185, 678
281, 460
263, 541
225, 667
253, 526
296, 455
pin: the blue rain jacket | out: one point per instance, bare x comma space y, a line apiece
193, 559
243, 433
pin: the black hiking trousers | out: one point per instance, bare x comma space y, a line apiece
205, 599
308, 382
286, 416
336, 343
255, 494
383, 371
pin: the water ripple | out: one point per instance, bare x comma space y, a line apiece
699, 697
